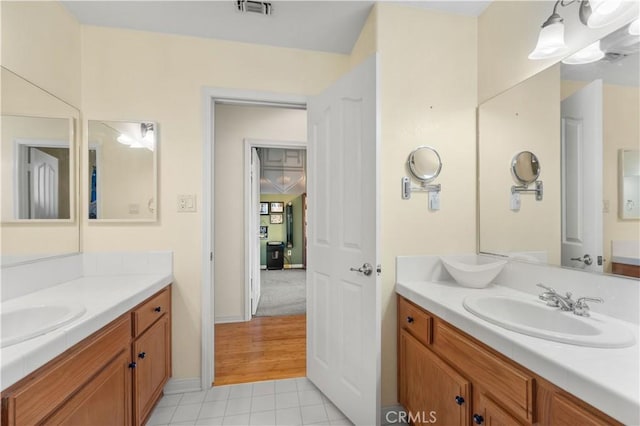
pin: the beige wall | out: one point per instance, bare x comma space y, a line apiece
233, 125
131, 75
524, 118
508, 31
428, 97
621, 109
41, 42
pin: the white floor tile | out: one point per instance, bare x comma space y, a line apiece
264, 388
238, 406
287, 400
305, 384
240, 420
263, 403
333, 412
241, 391
169, 400
218, 393
313, 414
192, 397
161, 415
287, 385
341, 422
183, 424
186, 413
212, 409
265, 418
288, 417
210, 422
319, 424
310, 397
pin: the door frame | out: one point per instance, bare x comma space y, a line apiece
248, 144
211, 96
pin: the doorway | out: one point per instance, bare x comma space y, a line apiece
249, 171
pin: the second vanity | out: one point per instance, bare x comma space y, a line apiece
462, 369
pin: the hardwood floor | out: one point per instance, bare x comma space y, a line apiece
265, 348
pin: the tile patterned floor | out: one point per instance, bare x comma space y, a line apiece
289, 402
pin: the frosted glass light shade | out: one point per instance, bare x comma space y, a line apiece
603, 12
550, 42
634, 27
587, 55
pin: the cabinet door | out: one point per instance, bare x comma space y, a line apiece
151, 354
105, 400
486, 412
430, 390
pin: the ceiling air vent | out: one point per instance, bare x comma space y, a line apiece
263, 8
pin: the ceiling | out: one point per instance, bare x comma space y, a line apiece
330, 26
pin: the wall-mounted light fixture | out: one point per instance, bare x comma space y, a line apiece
592, 13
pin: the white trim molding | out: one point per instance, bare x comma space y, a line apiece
174, 386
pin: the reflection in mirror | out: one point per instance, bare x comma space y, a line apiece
121, 170
39, 170
424, 163
36, 168
525, 167
629, 181
596, 108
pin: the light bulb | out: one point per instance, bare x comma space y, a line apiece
550, 40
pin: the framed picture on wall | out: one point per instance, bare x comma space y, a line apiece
264, 208
264, 232
276, 218
277, 207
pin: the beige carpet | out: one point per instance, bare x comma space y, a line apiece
282, 292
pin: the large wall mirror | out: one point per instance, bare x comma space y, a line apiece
122, 170
577, 119
39, 172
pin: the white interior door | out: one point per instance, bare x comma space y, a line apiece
255, 228
343, 306
43, 187
582, 178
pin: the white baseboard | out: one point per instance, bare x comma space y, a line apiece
226, 320
174, 386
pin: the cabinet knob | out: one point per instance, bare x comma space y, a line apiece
459, 400
409, 320
142, 354
132, 365
478, 419
158, 308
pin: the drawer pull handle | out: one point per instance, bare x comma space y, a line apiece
132, 365
409, 320
459, 400
158, 308
478, 419
142, 355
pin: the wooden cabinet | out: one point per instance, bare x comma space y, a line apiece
443, 370
95, 382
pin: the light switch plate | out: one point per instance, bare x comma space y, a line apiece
186, 203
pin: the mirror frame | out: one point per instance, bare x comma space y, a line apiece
411, 164
514, 164
86, 184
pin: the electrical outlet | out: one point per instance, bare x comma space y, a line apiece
288, 252
605, 206
186, 203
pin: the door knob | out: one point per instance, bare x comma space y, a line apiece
586, 259
366, 269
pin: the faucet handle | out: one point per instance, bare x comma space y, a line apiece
549, 289
581, 308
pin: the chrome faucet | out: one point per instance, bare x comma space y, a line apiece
566, 303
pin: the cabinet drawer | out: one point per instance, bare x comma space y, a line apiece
414, 320
507, 384
150, 311
36, 396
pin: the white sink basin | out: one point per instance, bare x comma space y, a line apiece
533, 317
24, 323
473, 271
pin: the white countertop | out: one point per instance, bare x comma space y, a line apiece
105, 299
608, 379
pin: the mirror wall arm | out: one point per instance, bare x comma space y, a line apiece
539, 189
407, 189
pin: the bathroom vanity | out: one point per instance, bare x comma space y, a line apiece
464, 370
107, 366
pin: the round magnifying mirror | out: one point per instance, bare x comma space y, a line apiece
424, 163
525, 167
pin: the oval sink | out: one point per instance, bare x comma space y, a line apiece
534, 318
24, 323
